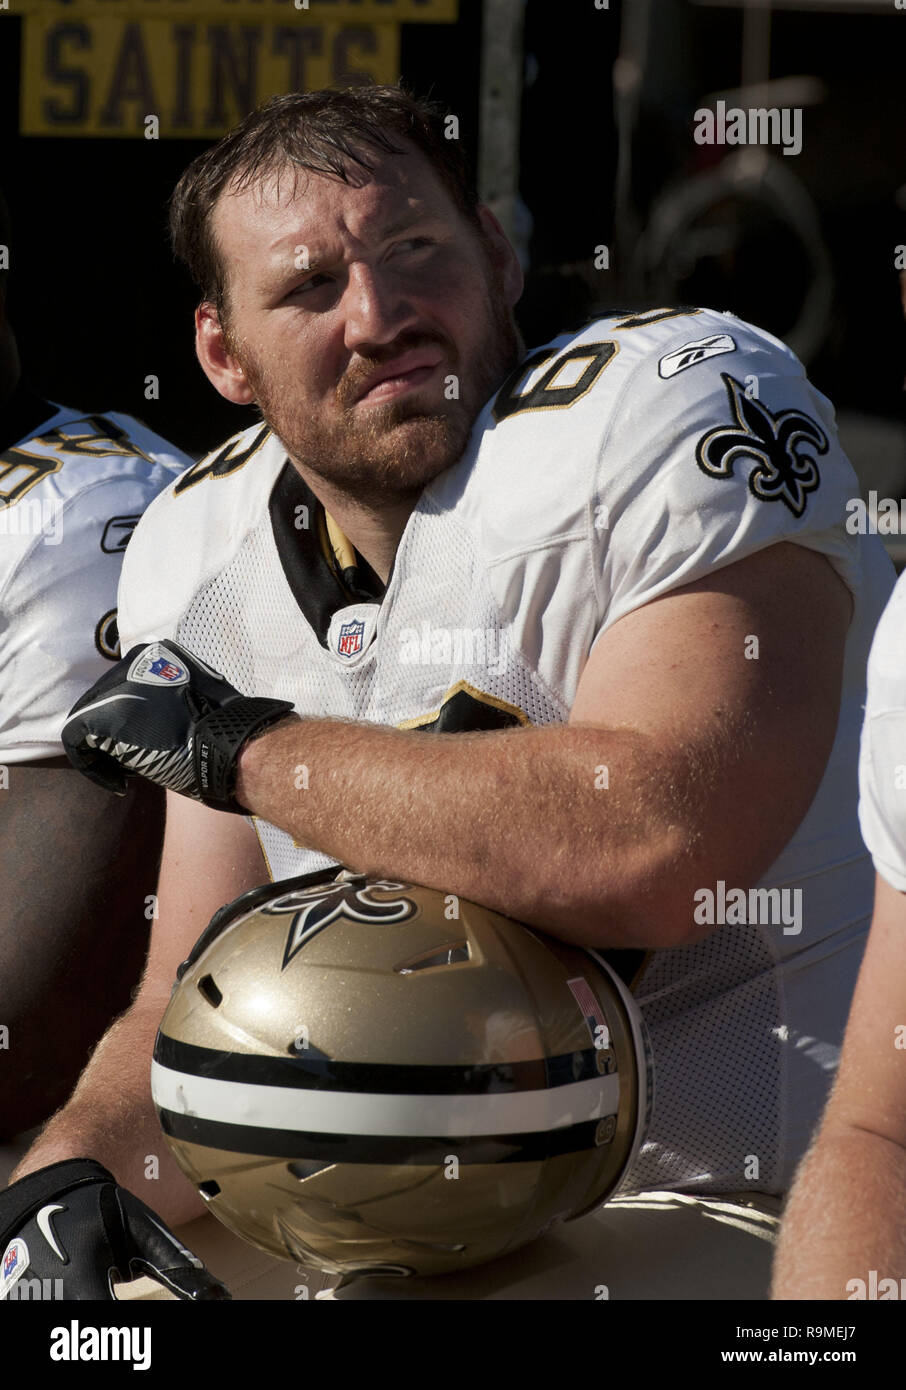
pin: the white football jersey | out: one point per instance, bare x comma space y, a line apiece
614, 465
72, 487
882, 758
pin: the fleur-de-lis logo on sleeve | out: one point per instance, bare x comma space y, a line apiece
783, 447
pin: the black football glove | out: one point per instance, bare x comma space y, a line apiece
70, 1222
163, 713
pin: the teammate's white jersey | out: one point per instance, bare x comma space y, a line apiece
882, 761
613, 466
72, 487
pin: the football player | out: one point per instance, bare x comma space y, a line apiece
845, 1231
77, 868
579, 635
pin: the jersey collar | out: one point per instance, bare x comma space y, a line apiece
323, 570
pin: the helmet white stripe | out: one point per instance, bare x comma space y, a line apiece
359, 1113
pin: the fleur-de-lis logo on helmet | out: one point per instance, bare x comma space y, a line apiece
314, 908
782, 445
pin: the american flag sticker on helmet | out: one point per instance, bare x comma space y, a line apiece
591, 1011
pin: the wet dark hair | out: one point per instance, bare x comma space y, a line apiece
327, 132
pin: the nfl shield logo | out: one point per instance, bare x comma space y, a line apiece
10, 1259
165, 669
350, 640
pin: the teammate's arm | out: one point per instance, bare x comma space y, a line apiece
208, 859
685, 762
846, 1213
76, 868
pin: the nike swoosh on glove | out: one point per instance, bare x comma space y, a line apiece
70, 1221
162, 713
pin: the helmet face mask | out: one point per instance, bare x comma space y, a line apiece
369, 1076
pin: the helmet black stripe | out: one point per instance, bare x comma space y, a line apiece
531, 1147
319, 1073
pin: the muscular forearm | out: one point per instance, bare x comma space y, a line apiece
572, 829
846, 1217
110, 1117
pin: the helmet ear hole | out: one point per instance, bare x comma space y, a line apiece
207, 987
209, 1189
303, 1168
453, 953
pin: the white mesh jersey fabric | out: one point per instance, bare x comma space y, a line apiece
384, 687
565, 513
69, 495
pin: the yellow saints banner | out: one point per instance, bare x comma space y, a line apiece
193, 68
347, 11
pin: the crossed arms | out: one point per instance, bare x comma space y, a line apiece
713, 760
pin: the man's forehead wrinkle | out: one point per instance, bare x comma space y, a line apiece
281, 179
273, 188
282, 183
251, 213
264, 220
383, 215
381, 207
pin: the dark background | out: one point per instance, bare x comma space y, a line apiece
97, 304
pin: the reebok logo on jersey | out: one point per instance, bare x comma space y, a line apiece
117, 533
692, 353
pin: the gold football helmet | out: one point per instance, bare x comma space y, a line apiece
367, 1076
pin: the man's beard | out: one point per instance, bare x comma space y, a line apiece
389, 454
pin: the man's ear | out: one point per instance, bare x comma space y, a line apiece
505, 257
220, 367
